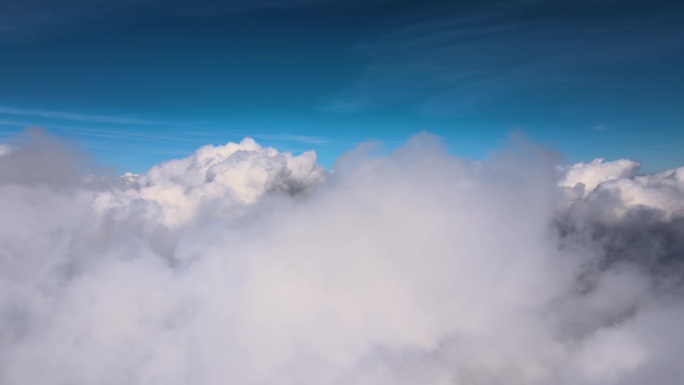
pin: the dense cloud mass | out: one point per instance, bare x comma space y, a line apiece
243, 265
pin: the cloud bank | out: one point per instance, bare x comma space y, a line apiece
241, 264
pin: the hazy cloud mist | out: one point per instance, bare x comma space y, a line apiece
241, 264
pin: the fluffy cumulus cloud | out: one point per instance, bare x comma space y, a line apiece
226, 179
241, 264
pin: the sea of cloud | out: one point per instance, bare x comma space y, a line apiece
240, 264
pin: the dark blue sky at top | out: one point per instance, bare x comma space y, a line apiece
139, 81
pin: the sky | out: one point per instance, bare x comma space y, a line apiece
136, 82
184, 199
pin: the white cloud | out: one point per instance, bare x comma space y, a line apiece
614, 188
5, 149
222, 179
590, 175
241, 264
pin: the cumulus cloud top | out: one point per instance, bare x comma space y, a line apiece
241, 264
615, 187
590, 175
222, 178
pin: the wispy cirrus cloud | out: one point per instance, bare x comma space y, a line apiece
182, 136
454, 59
284, 137
12, 123
77, 117
24, 20
351, 100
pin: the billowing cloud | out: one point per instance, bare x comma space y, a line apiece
215, 178
242, 264
590, 175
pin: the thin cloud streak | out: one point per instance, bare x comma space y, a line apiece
456, 62
58, 115
122, 134
306, 139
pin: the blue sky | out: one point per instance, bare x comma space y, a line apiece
136, 82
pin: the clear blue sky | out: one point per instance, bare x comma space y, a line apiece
140, 81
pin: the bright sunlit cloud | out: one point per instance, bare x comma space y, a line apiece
243, 264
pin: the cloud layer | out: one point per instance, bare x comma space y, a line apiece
242, 264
